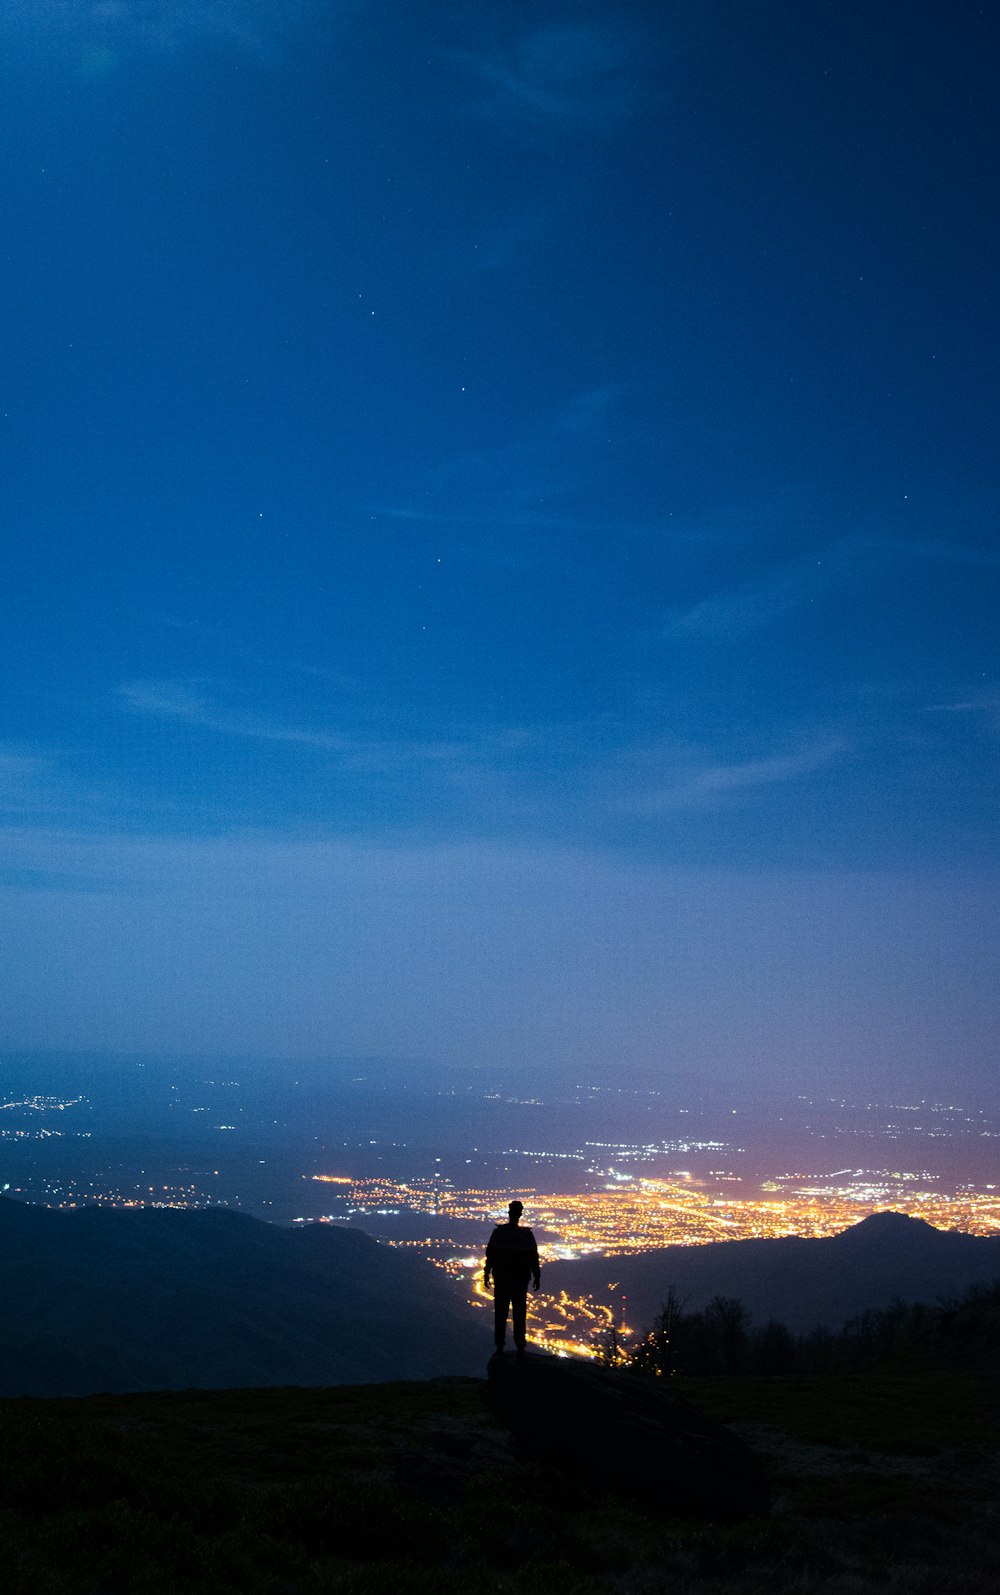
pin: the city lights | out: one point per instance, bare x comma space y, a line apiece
619, 1214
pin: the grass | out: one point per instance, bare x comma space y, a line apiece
919, 1412
882, 1484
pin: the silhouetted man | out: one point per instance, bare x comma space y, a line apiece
512, 1259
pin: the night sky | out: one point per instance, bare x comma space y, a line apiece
499, 511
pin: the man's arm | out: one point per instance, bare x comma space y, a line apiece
488, 1265
536, 1267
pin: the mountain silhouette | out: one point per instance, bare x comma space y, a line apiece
100, 1299
800, 1281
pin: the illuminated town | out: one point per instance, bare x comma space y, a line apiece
621, 1213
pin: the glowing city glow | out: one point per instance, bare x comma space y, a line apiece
621, 1213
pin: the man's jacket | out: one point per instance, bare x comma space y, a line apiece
512, 1253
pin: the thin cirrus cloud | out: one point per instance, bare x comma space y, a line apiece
732, 615
988, 704
191, 702
106, 27
568, 78
851, 563
23, 780
372, 752
546, 460
591, 409
499, 762
767, 772
711, 783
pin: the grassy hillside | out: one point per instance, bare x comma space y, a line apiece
883, 1483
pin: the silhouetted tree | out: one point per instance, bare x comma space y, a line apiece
720, 1339
657, 1351
727, 1322
772, 1349
967, 1332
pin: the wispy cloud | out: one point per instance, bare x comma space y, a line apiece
198, 704
231, 644
732, 615
568, 78
750, 773
973, 713
852, 563
103, 28
44, 785
505, 772
22, 779
590, 409
985, 705
701, 783
529, 484
546, 446
365, 747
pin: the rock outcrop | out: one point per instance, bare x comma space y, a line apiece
619, 1432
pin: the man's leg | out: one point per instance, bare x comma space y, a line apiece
501, 1307
519, 1302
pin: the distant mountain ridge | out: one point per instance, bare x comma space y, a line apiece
104, 1299
801, 1281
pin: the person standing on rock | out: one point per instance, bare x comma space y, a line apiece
511, 1260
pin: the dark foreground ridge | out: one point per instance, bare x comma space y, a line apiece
619, 1432
883, 1485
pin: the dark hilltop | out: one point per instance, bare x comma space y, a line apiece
101, 1299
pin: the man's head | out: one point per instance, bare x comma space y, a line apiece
514, 1212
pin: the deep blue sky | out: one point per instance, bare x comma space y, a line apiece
499, 513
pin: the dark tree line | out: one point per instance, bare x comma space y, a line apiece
722, 1339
